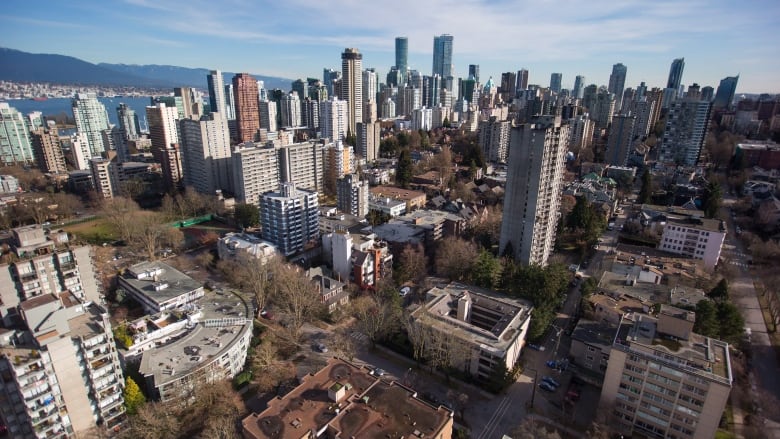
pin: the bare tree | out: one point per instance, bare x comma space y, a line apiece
455, 257
121, 213
153, 234
295, 296
413, 264
531, 429
375, 318
67, 204
342, 344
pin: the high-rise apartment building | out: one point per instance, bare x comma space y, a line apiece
290, 218
581, 132
255, 172
245, 92
686, 127
268, 116
370, 86
579, 87
163, 129
602, 108
128, 122
494, 139
644, 109
474, 72
352, 86
329, 77
508, 86
302, 164
171, 167
352, 195
334, 119
653, 391
368, 137
104, 177
91, 119
310, 114
724, 96
205, 153
522, 79
230, 102
216, 86
15, 146
402, 57
442, 55
617, 82
186, 99
620, 139
47, 151
291, 110
536, 160
555, 82
339, 161
675, 73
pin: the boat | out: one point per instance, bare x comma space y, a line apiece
40, 99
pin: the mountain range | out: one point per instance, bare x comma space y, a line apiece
61, 69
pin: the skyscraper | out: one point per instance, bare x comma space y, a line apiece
246, 94
291, 110
474, 72
303, 164
555, 82
522, 79
205, 153
352, 86
617, 82
370, 86
230, 102
268, 116
442, 55
128, 121
187, 100
686, 127
15, 146
163, 129
724, 96
534, 182
494, 139
579, 86
255, 171
48, 154
352, 195
217, 92
91, 119
620, 140
675, 73
333, 119
508, 86
401, 57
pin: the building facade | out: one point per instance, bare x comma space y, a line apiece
15, 145
255, 172
289, 218
442, 56
47, 151
205, 150
620, 140
352, 195
697, 238
494, 139
303, 164
246, 95
352, 86
334, 119
617, 82
91, 119
686, 128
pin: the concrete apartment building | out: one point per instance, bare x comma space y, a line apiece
237, 245
352, 195
342, 400
255, 172
302, 164
533, 189
686, 127
494, 139
491, 327
663, 380
188, 335
290, 218
697, 238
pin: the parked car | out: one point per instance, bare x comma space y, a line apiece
546, 386
552, 364
321, 347
405, 291
378, 372
551, 381
266, 314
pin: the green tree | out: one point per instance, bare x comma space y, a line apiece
706, 319
731, 324
712, 199
134, 398
388, 147
247, 215
403, 171
446, 123
646, 192
350, 139
721, 291
486, 271
588, 287
581, 215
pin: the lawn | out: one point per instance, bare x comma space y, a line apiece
95, 231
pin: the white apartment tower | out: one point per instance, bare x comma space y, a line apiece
268, 116
205, 153
15, 146
686, 127
334, 119
291, 110
255, 172
91, 119
352, 86
290, 218
163, 130
533, 190
494, 139
368, 136
302, 164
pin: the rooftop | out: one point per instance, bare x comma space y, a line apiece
595, 333
158, 281
617, 285
351, 403
706, 224
396, 192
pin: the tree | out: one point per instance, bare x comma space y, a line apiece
706, 319
376, 319
247, 215
455, 257
721, 291
486, 271
67, 204
403, 172
446, 123
121, 213
388, 147
712, 199
646, 192
411, 264
134, 398
153, 234
294, 295
731, 324
442, 162
254, 275
132, 188
350, 139
530, 429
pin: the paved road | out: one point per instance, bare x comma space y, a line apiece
765, 370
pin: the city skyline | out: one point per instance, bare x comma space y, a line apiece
220, 35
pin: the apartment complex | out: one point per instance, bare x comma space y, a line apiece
663, 380
352, 195
289, 218
697, 238
255, 172
488, 328
342, 400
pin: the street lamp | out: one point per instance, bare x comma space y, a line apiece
533, 390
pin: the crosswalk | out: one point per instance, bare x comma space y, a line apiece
739, 264
359, 336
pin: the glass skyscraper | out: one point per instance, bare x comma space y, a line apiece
726, 90
675, 73
91, 119
15, 146
442, 55
402, 57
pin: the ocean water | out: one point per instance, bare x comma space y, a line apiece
52, 107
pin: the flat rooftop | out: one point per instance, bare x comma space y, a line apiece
396, 192
616, 285
147, 278
367, 407
199, 344
595, 333
706, 224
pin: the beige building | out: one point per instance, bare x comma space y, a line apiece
413, 199
664, 381
345, 401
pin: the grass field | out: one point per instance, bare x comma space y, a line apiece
95, 231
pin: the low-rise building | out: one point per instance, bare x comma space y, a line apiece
342, 400
413, 199
490, 327
159, 287
333, 294
386, 205
232, 245
697, 238
591, 343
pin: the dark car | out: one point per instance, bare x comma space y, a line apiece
551, 381
546, 386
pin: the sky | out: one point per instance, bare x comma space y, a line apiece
298, 38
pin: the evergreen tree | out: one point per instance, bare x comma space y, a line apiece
646, 193
446, 123
721, 291
712, 199
486, 271
403, 172
731, 324
247, 215
706, 319
134, 398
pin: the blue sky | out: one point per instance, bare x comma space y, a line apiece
297, 38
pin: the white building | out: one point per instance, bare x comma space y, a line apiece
494, 139
290, 218
163, 129
352, 86
352, 195
422, 119
334, 119
386, 205
697, 238
232, 245
91, 119
15, 145
159, 287
581, 132
268, 115
205, 149
255, 172
104, 177
686, 127
302, 164
533, 189
291, 110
